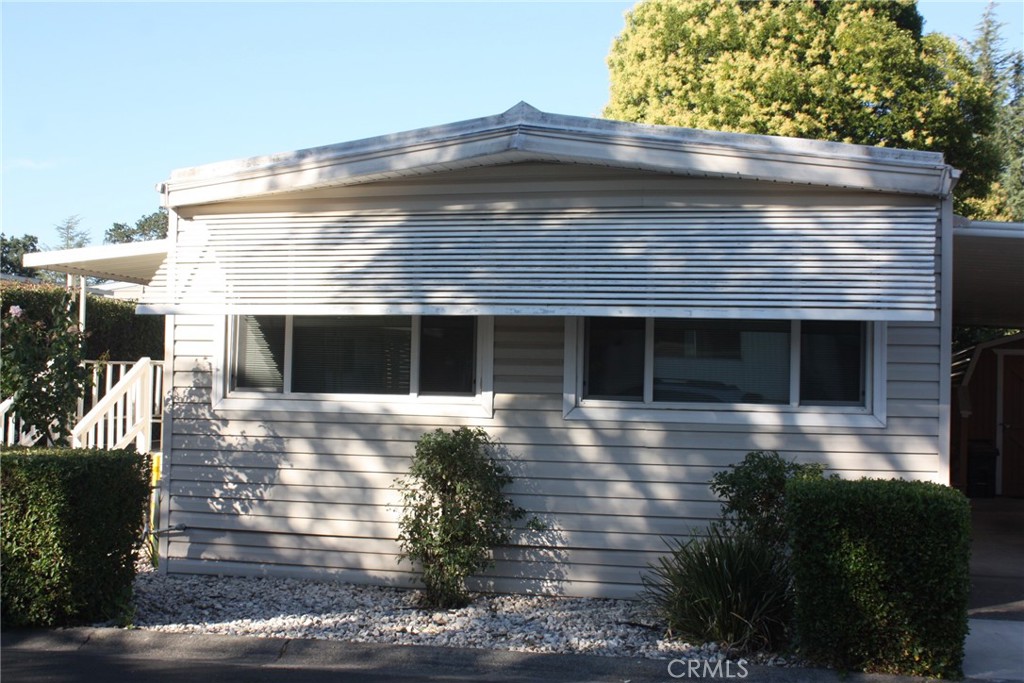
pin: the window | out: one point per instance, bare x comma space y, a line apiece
366, 356
724, 370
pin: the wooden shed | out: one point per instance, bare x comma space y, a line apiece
987, 432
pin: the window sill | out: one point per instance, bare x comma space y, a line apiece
759, 417
480, 406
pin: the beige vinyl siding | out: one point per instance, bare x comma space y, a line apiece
308, 494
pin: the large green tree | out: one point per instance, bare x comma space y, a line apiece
855, 71
149, 227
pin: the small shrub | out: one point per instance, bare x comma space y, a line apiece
72, 523
881, 574
730, 589
754, 493
454, 512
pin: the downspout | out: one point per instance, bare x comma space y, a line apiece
167, 425
950, 176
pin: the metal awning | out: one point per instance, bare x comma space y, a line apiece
988, 274
988, 269
137, 262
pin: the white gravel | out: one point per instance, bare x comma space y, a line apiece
290, 608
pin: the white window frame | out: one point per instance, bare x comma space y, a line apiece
870, 415
479, 405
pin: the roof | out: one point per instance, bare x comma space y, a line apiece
524, 133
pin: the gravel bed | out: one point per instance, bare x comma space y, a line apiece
291, 608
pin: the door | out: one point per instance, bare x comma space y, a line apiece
1012, 425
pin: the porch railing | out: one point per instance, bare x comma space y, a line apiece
14, 432
124, 403
125, 412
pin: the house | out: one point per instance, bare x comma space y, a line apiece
627, 308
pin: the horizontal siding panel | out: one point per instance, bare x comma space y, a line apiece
310, 494
752, 262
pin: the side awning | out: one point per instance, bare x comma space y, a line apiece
137, 262
988, 274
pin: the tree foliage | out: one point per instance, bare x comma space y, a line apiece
1003, 72
149, 227
41, 366
11, 251
856, 71
69, 235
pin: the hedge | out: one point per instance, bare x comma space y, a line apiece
881, 574
72, 523
112, 324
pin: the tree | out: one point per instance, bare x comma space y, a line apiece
855, 71
11, 251
69, 234
1003, 73
149, 227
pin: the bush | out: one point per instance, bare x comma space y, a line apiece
730, 589
41, 367
454, 512
112, 325
881, 571
754, 493
72, 521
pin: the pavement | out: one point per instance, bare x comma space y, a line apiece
994, 652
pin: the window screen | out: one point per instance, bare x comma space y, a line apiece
447, 354
260, 362
614, 358
351, 354
832, 363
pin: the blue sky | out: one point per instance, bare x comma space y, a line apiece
100, 102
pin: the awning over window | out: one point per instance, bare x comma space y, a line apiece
864, 263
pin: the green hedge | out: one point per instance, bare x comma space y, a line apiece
881, 572
112, 324
72, 523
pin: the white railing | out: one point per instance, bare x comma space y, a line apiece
124, 414
14, 433
107, 374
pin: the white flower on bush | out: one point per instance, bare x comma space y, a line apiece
16, 311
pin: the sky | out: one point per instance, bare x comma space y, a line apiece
99, 102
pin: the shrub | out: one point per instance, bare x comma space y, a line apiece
454, 512
114, 329
730, 589
881, 572
72, 521
754, 492
41, 366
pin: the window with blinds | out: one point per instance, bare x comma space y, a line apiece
684, 361
365, 355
